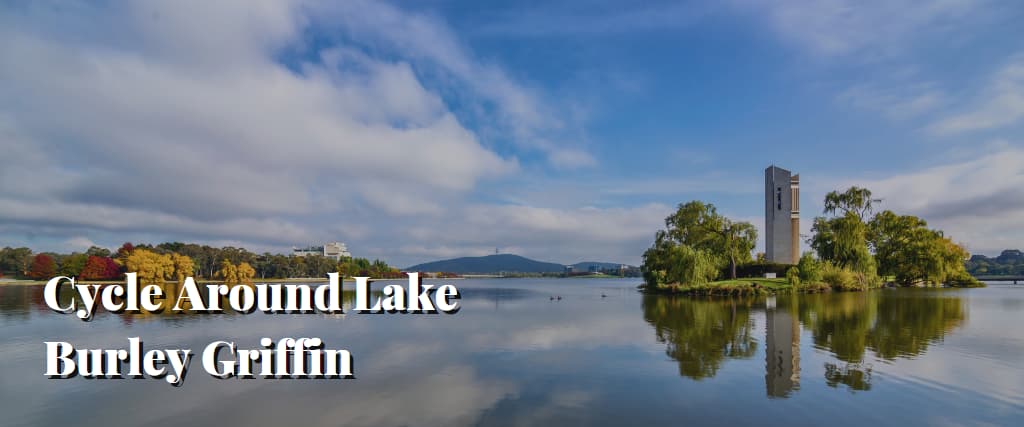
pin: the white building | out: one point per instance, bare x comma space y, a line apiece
335, 250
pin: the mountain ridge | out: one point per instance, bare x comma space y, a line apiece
497, 263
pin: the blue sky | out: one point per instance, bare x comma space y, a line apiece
563, 131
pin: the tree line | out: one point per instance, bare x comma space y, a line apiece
1009, 262
176, 260
853, 248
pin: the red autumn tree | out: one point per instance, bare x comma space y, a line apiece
113, 270
42, 267
125, 250
100, 268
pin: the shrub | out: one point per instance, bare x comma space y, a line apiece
845, 279
965, 280
835, 276
810, 268
758, 269
793, 276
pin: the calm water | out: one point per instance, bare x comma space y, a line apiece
512, 356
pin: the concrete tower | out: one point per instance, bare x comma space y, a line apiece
781, 215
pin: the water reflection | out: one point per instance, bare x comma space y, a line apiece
782, 357
855, 376
701, 334
890, 324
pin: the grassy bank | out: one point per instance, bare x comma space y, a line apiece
762, 286
752, 286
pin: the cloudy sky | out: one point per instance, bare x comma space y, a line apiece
562, 131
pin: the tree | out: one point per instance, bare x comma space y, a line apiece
99, 268
183, 267
151, 267
73, 264
43, 267
737, 240
123, 252
245, 273
842, 239
891, 236
15, 261
912, 253
669, 263
810, 269
854, 200
98, 251
712, 237
228, 272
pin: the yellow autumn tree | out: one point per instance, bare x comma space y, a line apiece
228, 273
151, 267
245, 273
183, 267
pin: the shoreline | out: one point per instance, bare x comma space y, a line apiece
763, 286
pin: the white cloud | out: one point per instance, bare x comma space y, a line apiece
179, 118
979, 201
843, 27
1000, 104
79, 243
899, 101
521, 112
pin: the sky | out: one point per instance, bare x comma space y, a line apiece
558, 130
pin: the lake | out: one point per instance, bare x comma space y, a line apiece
603, 354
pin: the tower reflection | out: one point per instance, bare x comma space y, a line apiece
782, 357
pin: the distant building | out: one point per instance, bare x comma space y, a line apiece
335, 250
781, 215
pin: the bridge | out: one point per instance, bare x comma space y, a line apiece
1008, 278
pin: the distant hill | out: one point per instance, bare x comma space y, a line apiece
1009, 262
490, 264
586, 265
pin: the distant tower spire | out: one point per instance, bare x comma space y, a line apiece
495, 251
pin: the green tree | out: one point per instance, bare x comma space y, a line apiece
73, 264
737, 239
842, 239
908, 250
98, 251
15, 261
854, 200
696, 242
810, 268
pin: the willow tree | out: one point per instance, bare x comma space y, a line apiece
912, 253
843, 238
737, 239
697, 241
855, 200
